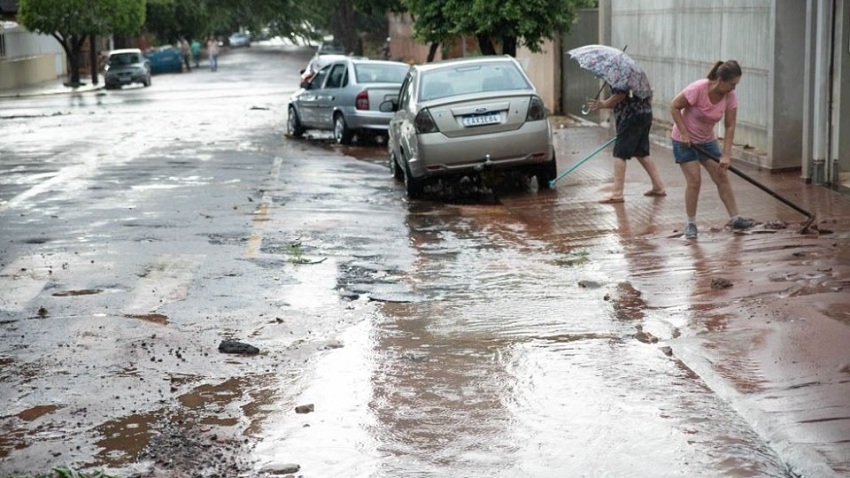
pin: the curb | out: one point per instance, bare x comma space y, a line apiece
44, 90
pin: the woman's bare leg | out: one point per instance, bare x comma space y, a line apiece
619, 181
724, 187
692, 185
654, 176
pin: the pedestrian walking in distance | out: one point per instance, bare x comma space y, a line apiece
633, 117
696, 110
212, 53
196, 53
187, 53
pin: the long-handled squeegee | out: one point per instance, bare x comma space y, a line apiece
811, 217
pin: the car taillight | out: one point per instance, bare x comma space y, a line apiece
362, 101
536, 110
425, 123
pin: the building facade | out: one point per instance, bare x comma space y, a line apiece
26, 58
795, 93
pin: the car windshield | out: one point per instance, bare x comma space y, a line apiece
380, 73
120, 59
476, 78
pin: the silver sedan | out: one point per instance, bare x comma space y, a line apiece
344, 97
460, 117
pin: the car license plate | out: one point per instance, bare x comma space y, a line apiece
480, 120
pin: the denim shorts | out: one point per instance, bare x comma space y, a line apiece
684, 153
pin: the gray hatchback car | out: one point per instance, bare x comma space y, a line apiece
126, 66
460, 117
345, 97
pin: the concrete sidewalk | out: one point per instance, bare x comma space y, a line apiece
578, 138
761, 316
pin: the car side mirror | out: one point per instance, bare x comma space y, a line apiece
389, 106
305, 85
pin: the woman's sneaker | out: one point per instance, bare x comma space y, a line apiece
741, 223
691, 230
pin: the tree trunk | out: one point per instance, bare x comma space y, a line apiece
93, 59
486, 45
74, 61
73, 50
509, 46
345, 27
432, 51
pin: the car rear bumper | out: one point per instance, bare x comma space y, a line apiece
437, 154
125, 79
367, 120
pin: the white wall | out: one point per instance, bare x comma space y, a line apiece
29, 58
678, 41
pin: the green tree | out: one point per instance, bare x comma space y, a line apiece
167, 20
72, 21
507, 23
431, 23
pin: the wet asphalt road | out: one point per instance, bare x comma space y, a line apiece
469, 337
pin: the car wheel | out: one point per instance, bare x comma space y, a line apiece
147, 82
414, 187
293, 124
546, 173
395, 169
342, 135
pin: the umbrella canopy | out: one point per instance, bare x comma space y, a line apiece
614, 66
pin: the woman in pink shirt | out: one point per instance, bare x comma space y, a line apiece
696, 110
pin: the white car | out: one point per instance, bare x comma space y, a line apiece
345, 97
126, 66
239, 39
460, 117
316, 63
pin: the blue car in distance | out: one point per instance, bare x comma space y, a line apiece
165, 59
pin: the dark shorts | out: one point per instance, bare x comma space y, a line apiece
633, 137
684, 153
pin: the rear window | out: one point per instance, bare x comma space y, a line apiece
380, 73
465, 79
120, 59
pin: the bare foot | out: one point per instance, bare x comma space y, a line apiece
611, 200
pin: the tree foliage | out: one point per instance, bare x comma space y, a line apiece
168, 20
72, 21
508, 23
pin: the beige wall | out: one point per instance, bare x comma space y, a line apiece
28, 71
544, 69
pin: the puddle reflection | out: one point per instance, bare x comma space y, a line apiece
509, 367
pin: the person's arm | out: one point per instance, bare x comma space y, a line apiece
609, 102
679, 103
730, 119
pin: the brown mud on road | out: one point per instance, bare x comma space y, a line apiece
762, 317
119, 366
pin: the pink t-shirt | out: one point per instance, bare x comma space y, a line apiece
702, 116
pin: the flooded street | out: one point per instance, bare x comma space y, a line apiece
522, 334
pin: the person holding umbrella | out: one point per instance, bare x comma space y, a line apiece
631, 100
633, 118
696, 110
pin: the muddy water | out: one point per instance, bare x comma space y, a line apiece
521, 334
504, 345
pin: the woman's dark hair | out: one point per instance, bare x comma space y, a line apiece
725, 70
